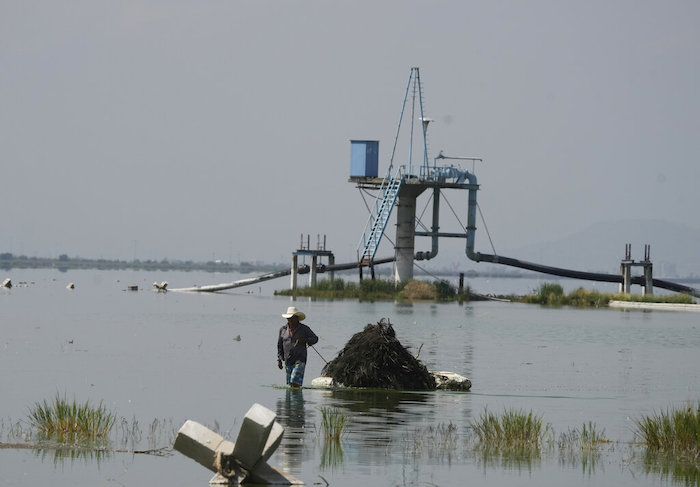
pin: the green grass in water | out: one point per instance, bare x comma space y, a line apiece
333, 422
585, 438
551, 294
512, 428
675, 432
66, 421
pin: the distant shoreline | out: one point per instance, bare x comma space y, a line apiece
64, 263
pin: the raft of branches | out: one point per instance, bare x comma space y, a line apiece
375, 358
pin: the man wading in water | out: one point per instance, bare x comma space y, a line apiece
293, 339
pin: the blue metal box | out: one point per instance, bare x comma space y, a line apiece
364, 158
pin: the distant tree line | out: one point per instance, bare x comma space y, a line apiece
64, 262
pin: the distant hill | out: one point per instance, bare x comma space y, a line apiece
675, 249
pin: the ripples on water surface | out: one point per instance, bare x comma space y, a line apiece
174, 357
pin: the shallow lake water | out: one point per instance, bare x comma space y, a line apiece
158, 359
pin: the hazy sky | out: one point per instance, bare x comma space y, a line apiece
220, 129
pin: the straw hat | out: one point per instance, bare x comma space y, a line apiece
291, 311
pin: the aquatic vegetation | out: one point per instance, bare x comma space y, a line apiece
66, 421
586, 438
548, 293
13, 431
333, 422
675, 432
551, 294
679, 298
378, 289
589, 436
585, 298
436, 442
512, 428
419, 290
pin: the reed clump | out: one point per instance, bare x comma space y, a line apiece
68, 421
675, 432
511, 428
333, 422
587, 438
438, 442
552, 294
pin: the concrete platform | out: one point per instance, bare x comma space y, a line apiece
654, 306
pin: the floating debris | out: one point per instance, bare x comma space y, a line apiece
375, 358
162, 287
7, 283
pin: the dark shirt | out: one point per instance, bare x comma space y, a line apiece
288, 349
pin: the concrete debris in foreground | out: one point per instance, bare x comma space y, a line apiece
240, 462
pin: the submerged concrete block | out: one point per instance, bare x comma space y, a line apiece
244, 460
273, 441
252, 438
200, 443
267, 474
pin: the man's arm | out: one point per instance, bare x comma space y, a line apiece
311, 338
280, 347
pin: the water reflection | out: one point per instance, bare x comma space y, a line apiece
292, 415
377, 403
588, 460
439, 443
668, 468
291, 412
331, 454
517, 457
59, 456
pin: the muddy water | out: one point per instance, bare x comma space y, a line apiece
171, 357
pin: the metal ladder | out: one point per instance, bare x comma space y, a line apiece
374, 230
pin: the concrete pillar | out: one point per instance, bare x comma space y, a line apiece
312, 271
405, 237
295, 267
626, 278
621, 287
648, 280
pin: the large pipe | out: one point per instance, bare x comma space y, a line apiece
304, 269
555, 271
435, 228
